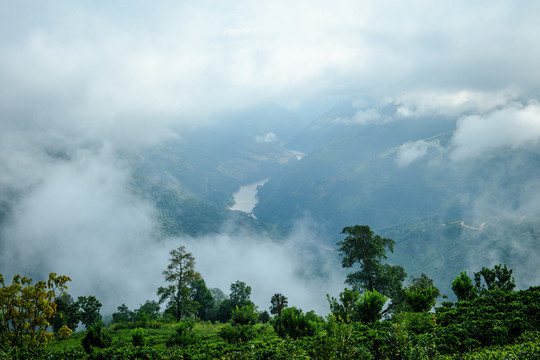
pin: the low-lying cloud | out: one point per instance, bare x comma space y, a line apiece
512, 127
82, 221
413, 151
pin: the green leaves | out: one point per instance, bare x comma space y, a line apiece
293, 323
363, 247
26, 310
353, 306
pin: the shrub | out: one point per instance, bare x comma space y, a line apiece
237, 333
137, 336
184, 335
26, 309
244, 316
294, 324
264, 317
96, 337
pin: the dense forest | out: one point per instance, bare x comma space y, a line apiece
379, 315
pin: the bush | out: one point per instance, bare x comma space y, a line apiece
244, 316
137, 336
96, 337
237, 333
184, 335
294, 324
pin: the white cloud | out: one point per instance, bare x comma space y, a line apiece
413, 151
453, 103
509, 128
362, 117
268, 138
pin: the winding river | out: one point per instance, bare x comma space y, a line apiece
245, 198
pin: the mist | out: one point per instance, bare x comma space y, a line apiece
85, 86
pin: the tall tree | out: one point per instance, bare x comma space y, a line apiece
202, 295
240, 294
278, 303
463, 287
123, 315
239, 297
90, 307
500, 277
67, 313
421, 295
362, 247
180, 274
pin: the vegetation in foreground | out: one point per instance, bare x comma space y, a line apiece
377, 318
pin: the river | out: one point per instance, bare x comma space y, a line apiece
245, 198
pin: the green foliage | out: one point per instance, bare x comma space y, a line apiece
244, 316
346, 308
90, 307
497, 278
362, 247
264, 317
239, 297
341, 340
498, 318
237, 333
463, 287
294, 324
124, 315
25, 310
278, 303
421, 300
180, 273
137, 336
148, 311
184, 335
421, 295
96, 337
223, 313
370, 306
355, 307
67, 314
202, 295
410, 337
240, 294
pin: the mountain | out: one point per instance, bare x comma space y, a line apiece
398, 176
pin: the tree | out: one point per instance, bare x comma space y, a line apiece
180, 273
148, 311
362, 247
96, 337
239, 297
26, 309
463, 287
123, 315
497, 278
353, 306
293, 323
421, 295
240, 294
202, 295
90, 307
67, 313
279, 302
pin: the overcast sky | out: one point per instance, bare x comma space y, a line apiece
89, 78
101, 64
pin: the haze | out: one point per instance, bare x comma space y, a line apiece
82, 84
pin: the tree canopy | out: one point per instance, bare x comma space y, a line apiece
180, 273
26, 309
363, 248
